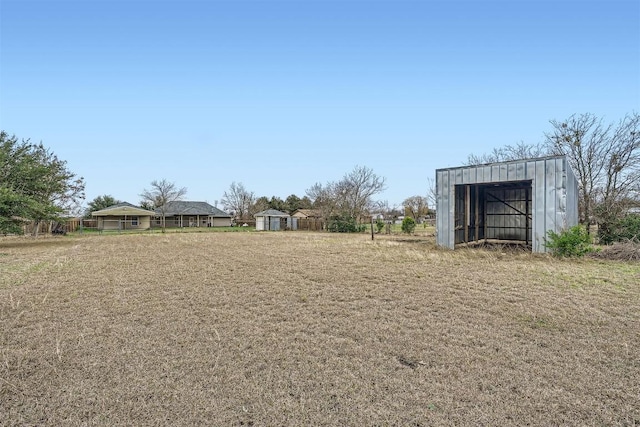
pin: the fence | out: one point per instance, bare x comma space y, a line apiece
311, 224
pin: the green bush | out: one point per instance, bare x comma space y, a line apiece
408, 225
574, 242
622, 230
379, 225
345, 224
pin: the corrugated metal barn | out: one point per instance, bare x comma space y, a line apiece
515, 202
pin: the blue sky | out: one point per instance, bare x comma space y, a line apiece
280, 95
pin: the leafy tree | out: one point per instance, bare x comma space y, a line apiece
13, 208
278, 204
35, 185
99, 203
161, 193
238, 200
293, 203
624, 229
408, 225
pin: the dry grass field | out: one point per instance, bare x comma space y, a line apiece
297, 328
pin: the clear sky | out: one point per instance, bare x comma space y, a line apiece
280, 95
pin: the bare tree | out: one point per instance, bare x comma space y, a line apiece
621, 173
238, 200
359, 186
352, 196
583, 138
605, 158
260, 204
509, 152
161, 193
416, 206
432, 193
323, 198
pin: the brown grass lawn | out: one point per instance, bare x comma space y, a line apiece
296, 328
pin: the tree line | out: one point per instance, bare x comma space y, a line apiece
36, 186
350, 198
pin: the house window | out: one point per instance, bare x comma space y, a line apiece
134, 221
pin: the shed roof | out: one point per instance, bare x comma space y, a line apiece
121, 209
506, 162
180, 207
272, 212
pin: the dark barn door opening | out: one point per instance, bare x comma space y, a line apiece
493, 212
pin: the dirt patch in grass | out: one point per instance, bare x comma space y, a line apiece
311, 328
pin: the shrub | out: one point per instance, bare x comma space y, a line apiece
408, 225
379, 224
345, 224
574, 242
621, 230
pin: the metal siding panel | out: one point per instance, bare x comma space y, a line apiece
538, 206
466, 176
444, 213
520, 171
495, 173
551, 195
503, 173
572, 195
439, 208
530, 172
486, 174
451, 212
561, 196
511, 172
458, 176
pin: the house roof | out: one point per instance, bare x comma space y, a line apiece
308, 212
121, 209
272, 212
191, 208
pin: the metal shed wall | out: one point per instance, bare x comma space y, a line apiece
554, 204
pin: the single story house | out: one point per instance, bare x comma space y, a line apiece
123, 216
274, 220
191, 214
306, 213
